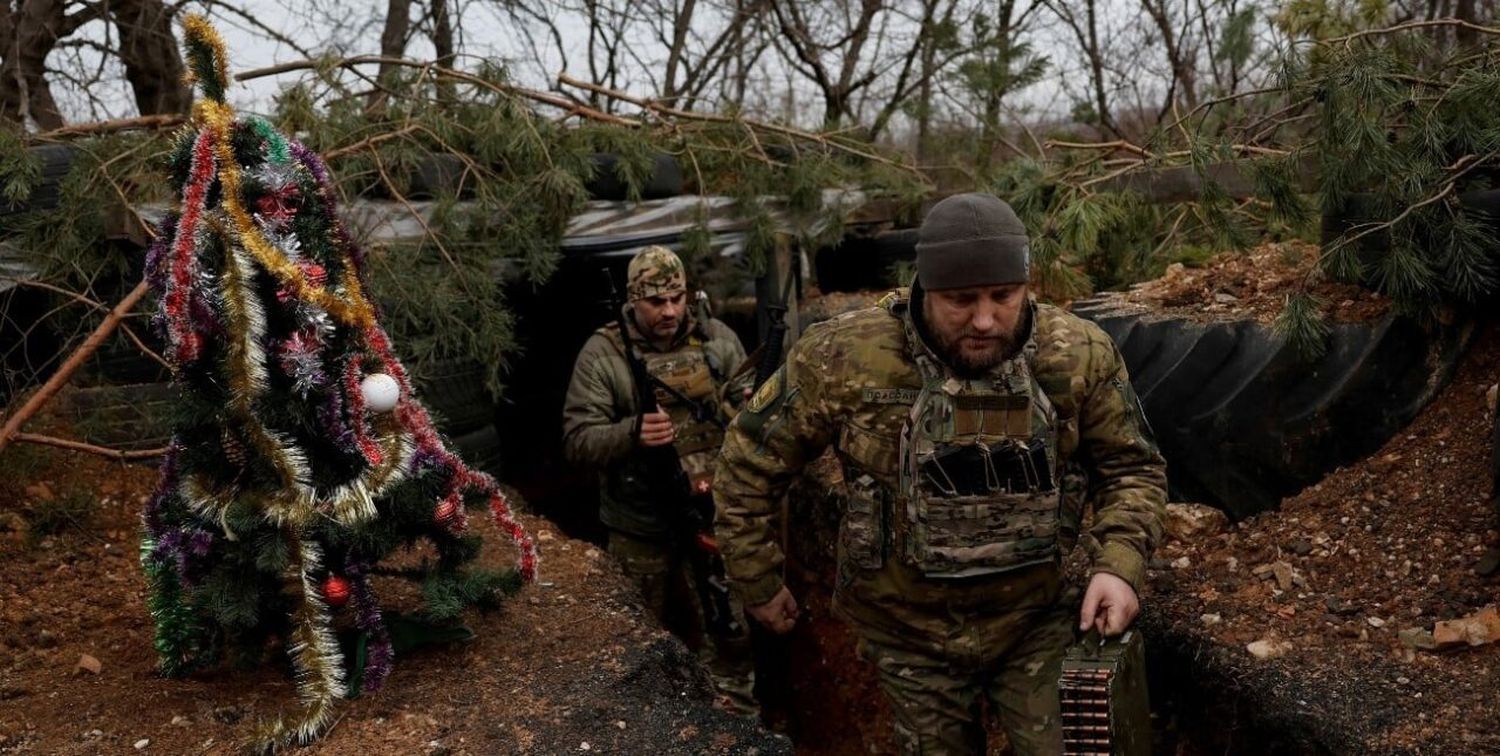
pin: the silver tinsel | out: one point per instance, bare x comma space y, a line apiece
302, 361
273, 176
280, 238
316, 319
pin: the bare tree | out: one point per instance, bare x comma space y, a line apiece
1177, 45
148, 48
394, 36
695, 62
33, 29
1083, 22
824, 42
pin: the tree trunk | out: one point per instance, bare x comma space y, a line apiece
1000, 85
442, 44
1464, 11
1182, 68
392, 45
924, 104
680, 27
24, 92
148, 49
1096, 69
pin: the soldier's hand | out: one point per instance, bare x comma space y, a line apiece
1110, 605
779, 614
656, 429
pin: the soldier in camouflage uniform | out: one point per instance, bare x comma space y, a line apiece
967, 418
694, 354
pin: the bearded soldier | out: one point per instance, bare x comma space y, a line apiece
690, 358
966, 417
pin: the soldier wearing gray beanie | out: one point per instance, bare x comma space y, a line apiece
972, 239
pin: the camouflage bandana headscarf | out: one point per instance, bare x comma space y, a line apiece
655, 272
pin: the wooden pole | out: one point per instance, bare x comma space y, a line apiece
121, 455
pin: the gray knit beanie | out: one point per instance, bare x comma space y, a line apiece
972, 240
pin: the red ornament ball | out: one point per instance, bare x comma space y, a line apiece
446, 512
336, 591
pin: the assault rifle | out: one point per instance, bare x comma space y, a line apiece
690, 512
770, 351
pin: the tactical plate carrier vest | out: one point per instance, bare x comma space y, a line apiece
978, 469
690, 371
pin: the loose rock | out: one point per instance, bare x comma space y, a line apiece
1193, 522
1268, 649
1418, 638
1474, 630
89, 664
1283, 574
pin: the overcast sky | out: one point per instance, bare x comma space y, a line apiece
352, 27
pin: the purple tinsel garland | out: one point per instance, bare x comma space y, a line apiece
319, 171
183, 547
331, 416
156, 272
379, 654
166, 485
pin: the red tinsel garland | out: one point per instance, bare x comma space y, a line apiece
186, 343
358, 417
414, 418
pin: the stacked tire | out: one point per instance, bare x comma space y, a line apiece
1244, 419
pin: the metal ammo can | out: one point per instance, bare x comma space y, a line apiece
1105, 710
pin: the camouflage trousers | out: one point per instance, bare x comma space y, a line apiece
936, 698
666, 580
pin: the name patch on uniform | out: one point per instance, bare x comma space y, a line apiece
889, 396
767, 392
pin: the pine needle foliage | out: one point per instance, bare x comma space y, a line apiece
1389, 133
518, 174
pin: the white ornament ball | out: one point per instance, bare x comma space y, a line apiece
381, 392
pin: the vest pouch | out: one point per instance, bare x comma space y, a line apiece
963, 536
862, 528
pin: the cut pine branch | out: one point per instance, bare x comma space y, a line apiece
33, 405
121, 455
687, 115
544, 98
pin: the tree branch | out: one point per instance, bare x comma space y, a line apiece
119, 455
38, 400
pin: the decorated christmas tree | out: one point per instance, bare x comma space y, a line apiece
301, 459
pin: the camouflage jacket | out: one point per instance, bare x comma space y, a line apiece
844, 384
600, 413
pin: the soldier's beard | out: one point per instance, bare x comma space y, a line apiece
970, 354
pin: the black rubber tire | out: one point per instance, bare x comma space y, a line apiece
1244, 420
57, 160
861, 263
454, 394
665, 180
439, 175
123, 417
